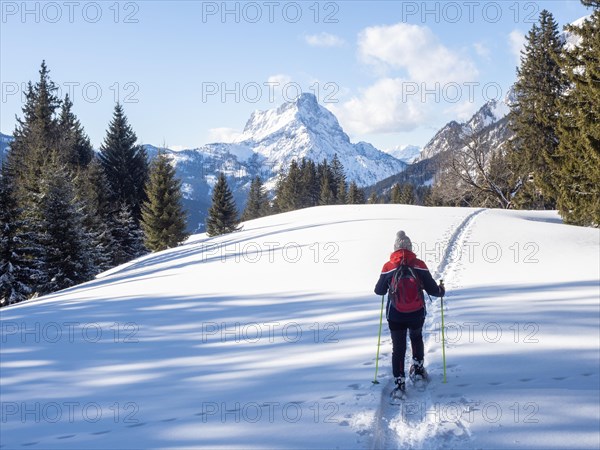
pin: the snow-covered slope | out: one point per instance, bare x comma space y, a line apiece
266, 338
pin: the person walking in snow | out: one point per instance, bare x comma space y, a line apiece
404, 277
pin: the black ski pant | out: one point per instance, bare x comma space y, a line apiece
398, 330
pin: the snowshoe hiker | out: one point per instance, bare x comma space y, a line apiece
403, 278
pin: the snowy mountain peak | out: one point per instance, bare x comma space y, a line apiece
292, 117
305, 129
452, 134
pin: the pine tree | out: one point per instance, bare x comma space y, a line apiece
373, 198
127, 236
396, 194
326, 184
356, 196
73, 144
18, 271
35, 138
29, 162
163, 217
258, 203
309, 183
291, 192
93, 193
326, 196
278, 206
578, 158
222, 215
125, 163
66, 251
407, 194
338, 182
533, 116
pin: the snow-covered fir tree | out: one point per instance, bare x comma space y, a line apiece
19, 273
163, 217
257, 204
127, 236
222, 215
67, 255
125, 163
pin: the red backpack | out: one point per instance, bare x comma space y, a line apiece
406, 290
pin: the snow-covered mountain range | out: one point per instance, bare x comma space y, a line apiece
451, 136
270, 141
405, 153
303, 128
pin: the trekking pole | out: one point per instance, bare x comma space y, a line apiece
378, 342
443, 336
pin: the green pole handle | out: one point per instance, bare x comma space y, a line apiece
443, 335
378, 341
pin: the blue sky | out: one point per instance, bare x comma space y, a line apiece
192, 72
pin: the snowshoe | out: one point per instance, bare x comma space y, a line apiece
418, 375
399, 391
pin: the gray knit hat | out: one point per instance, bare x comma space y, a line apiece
402, 241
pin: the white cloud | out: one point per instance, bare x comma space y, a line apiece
223, 134
279, 79
413, 94
482, 50
416, 50
324, 40
386, 106
462, 111
516, 41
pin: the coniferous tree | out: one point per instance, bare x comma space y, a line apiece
356, 196
577, 166
310, 185
373, 198
35, 139
291, 193
127, 236
222, 215
258, 203
396, 194
93, 193
338, 182
533, 116
163, 217
73, 144
28, 163
278, 206
407, 194
66, 251
18, 272
326, 196
326, 184
125, 163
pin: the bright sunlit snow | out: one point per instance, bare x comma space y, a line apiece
266, 338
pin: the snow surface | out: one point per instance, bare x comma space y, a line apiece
266, 338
